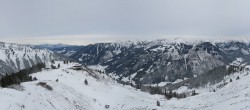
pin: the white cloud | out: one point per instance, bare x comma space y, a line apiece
121, 19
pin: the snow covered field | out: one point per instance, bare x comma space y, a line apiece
71, 93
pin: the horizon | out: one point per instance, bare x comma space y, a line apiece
170, 39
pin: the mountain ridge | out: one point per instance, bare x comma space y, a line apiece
16, 57
158, 61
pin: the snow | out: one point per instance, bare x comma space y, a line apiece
117, 51
182, 89
177, 81
169, 63
126, 79
98, 67
174, 53
237, 62
69, 53
163, 84
133, 75
233, 48
245, 52
158, 49
149, 69
109, 60
19, 57
70, 93
80, 59
233, 96
203, 55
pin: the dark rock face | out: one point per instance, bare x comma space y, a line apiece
160, 60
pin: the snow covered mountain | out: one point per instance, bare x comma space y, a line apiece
66, 89
152, 62
51, 46
15, 57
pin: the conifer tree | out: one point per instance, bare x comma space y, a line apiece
86, 82
231, 80
158, 103
237, 78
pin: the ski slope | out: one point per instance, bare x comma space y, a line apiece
71, 93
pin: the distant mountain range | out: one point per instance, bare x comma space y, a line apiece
151, 62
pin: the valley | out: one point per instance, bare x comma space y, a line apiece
70, 92
214, 77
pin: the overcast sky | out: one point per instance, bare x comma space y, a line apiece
90, 21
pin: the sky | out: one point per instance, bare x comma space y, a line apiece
82, 22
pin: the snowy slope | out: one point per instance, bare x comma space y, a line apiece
234, 96
15, 57
70, 93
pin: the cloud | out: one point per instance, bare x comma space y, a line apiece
91, 39
122, 19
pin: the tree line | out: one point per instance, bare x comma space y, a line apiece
21, 76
